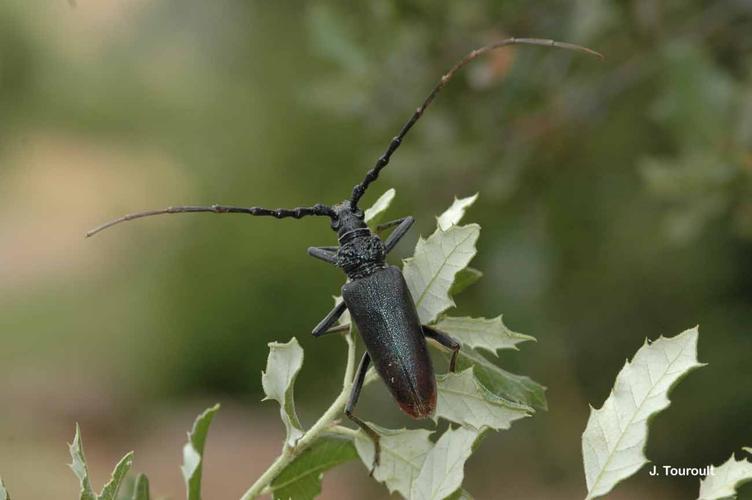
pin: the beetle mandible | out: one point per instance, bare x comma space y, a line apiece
375, 293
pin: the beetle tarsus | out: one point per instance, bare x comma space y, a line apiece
372, 434
445, 340
360, 377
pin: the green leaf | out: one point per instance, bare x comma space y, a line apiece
517, 388
463, 399
4, 495
141, 488
193, 453
463, 279
402, 455
443, 469
453, 215
375, 213
301, 479
726, 479
434, 265
110, 490
78, 464
489, 334
282, 366
614, 440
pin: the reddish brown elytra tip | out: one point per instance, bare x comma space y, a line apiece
420, 409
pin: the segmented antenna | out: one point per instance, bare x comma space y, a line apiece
279, 213
383, 161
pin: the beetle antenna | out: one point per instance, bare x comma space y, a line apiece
279, 213
383, 160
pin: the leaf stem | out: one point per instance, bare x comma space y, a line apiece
323, 423
344, 431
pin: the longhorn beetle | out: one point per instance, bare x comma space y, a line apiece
375, 293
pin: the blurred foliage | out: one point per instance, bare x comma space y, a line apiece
616, 195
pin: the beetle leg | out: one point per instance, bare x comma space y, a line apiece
380, 228
337, 329
445, 340
325, 325
327, 254
403, 225
354, 395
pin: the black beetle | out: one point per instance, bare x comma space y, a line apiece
375, 293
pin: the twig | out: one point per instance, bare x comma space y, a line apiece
326, 422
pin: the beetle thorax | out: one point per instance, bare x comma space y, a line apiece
360, 253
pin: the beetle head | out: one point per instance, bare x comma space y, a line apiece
346, 218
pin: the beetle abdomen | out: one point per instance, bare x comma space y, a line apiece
384, 312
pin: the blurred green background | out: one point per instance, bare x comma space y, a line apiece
616, 204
